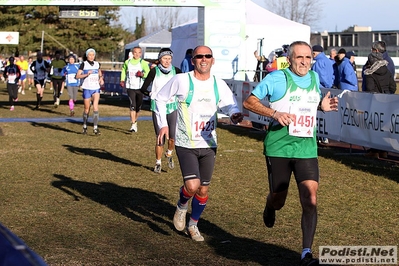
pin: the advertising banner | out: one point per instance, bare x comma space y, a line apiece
9, 37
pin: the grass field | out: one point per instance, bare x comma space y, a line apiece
94, 200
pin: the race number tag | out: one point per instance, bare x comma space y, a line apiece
305, 121
203, 126
41, 75
93, 80
11, 78
72, 78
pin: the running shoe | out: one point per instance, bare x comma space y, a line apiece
19, 89
308, 260
134, 127
269, 217
194, 233
84, 131
16, 100
96, 131
37, 107
157, 168
12, 108
57, 103
324, 140
171, 164
72, 113
131, 128
23, 92
179, 219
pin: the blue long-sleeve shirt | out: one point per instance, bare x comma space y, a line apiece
391, 65
186, 65
346, 78
324, 68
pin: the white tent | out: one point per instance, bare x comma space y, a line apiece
151, 44
260, 24
183, 37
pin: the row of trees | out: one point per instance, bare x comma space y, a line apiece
74, 34
106, 35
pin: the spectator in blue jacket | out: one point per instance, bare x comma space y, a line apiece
323, 67
186, 65
351, 56
345, 77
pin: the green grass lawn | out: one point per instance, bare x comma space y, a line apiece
94, 200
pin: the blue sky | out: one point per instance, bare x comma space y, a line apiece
337, 15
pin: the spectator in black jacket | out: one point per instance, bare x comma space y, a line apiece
380, 47
378, 79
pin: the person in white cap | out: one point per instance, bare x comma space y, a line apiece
89, 71
159, 76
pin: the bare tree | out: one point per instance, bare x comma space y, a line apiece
163, 18
157, 18
303, 11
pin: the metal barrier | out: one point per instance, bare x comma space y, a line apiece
111, 83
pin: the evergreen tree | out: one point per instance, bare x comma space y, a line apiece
139, 32
66, 34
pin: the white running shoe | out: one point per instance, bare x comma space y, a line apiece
23, 92
324, 140
57, 103
19, 89
134, 127
157, 168
194, 233
131, 128
179, 219
171, 164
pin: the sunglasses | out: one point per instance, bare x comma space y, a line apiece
200, 56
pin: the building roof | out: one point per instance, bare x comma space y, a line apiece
162, 38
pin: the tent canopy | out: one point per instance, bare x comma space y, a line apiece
151, 44
184, 37
274, 31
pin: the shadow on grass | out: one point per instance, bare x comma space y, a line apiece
151, 209
102, 154
386, 168
244, 131
55, 127
80, 123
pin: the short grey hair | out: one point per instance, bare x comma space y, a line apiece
292, 45
380, 46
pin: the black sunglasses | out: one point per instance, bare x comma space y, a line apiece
200, 56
